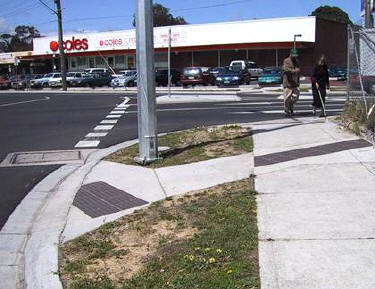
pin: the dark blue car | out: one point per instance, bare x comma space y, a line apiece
271, 75
232, 76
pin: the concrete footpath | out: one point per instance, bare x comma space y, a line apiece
316, 203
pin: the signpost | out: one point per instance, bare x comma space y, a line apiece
169, 61
147, 128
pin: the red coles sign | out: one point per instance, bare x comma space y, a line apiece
68, 45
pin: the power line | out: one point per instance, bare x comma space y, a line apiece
49, 8
129, 16
20, 10
211, 6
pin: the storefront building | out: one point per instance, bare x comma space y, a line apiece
265, 41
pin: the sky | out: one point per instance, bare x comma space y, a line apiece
109, 15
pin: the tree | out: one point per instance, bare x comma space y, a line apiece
21, 40
332, 13
163, 17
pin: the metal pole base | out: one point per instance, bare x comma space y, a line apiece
145, 162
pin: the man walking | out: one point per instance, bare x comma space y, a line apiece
291, 75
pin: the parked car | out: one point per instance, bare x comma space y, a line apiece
5, 82
338, 72
70, 76
22, 81
250, 66
234, 75
128, 79
96, 70
73, 76
92, 80
161, 76
195, 75
270, 75
214, 73
44, 80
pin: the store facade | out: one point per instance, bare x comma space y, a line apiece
265, 41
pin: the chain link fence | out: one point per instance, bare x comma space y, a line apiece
361, 74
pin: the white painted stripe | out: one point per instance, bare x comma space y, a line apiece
122, 104
87, 144
103, 127
96, 134
26, 101
109, 121
117, 112
296, 111
113, 116
244, 103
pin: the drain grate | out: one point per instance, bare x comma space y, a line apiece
45, 158
99, 199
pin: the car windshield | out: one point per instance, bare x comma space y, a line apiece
71, 74
56, 76
271, 70
47, 75
129, 73
237, 64
192, 71
235, 68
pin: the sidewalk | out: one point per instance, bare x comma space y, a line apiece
316, 203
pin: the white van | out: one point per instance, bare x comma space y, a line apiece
250, 66
95, 70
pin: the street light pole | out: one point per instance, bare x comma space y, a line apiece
295, 37
169, 61
147, 128
61, 48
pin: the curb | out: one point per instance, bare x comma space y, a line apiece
41, 249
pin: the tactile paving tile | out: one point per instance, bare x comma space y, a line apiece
291, 155
99, 199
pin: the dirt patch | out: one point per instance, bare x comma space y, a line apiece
169, 237
199, 144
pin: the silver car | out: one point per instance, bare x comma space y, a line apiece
129, 79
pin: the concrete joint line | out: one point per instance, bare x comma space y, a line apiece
161, 186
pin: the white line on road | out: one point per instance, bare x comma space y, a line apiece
26, 101
109, 121
87, 144
103, 127
96, 134
113, 116
117, 112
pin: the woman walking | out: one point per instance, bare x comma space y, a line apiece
320, 84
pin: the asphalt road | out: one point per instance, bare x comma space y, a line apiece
46, 121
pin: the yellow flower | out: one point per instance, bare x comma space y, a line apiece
219, 250
229, 271
197, 248
211, 260
207, 249
191, 257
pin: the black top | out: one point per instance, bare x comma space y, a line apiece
320, 75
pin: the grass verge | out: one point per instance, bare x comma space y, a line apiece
198, 144
206, 239
354, 118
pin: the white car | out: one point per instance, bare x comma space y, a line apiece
128, 79
251, 67
44, 81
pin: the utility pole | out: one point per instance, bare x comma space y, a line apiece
147, 128
61, 48
169, 61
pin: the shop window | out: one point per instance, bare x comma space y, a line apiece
73, 63
110, 60
91, 62
120, 60
81, 61
131, 62
99, 61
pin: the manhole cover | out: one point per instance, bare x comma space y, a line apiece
99, 199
